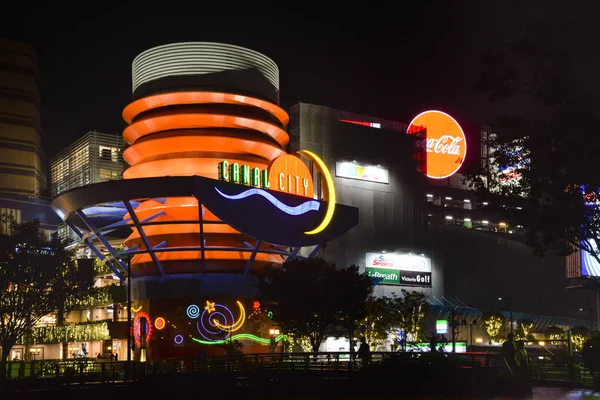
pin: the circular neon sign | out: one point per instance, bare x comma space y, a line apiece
444, 145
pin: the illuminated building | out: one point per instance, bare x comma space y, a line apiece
95, 157
421, 227
210, 197
23, 164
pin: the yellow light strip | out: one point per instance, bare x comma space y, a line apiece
234, 327
329, 192
138, 309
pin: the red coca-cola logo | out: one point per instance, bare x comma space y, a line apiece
443, 145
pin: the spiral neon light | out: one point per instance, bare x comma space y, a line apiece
178, 339
235, 326
241, 336
206, 325
159, 323
193, 311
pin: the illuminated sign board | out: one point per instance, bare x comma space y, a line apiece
441, 326
399, 269
287, 174
353, 170
444, 144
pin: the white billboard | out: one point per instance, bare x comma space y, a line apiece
399, 269
406, 262
352, 170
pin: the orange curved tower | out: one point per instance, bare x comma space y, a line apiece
195, 105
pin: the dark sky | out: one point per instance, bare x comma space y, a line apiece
391, 60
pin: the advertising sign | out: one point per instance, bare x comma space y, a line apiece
353, 170
442, 141
399, 269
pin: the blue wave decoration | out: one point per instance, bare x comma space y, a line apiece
310, 205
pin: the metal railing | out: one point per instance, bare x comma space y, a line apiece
546, 369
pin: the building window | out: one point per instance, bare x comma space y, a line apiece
7, 216
109, 153
108, 175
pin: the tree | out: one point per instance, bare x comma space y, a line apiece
378, 321
542, 164
37, 278
493, 326
309, 296
350, 292
410, 312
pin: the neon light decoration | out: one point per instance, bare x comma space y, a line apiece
207, 327
178, 339
236, 325
310, 205
159, 323
217, 321
137, 328
329, 190
241, 336
193, 311
136, 310
444, 144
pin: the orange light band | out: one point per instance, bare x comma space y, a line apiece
161, 123
181, 98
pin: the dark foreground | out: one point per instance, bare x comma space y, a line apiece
441, 378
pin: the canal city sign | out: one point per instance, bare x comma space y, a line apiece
399, 269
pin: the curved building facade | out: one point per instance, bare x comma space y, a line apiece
211, 196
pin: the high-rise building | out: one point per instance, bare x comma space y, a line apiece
23, 164
96, 157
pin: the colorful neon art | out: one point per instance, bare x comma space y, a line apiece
241, 336
159, 323
137, 327
178, 339
193, 311
206, 325
235, 326
136, 310
217, 321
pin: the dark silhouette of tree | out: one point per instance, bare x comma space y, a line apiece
37, 277
542, 163
309, 298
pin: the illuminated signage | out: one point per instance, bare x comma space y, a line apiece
441, 326
444, 144
353, 170
399, 269
288, 174
243, 174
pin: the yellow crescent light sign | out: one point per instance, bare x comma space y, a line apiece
234, 326
329, 192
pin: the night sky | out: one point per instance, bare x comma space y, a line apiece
389, 61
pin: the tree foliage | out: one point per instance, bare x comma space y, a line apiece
542, 163
378, 322
37, 278
311, 298
410, 312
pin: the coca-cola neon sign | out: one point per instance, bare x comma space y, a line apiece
443, 143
